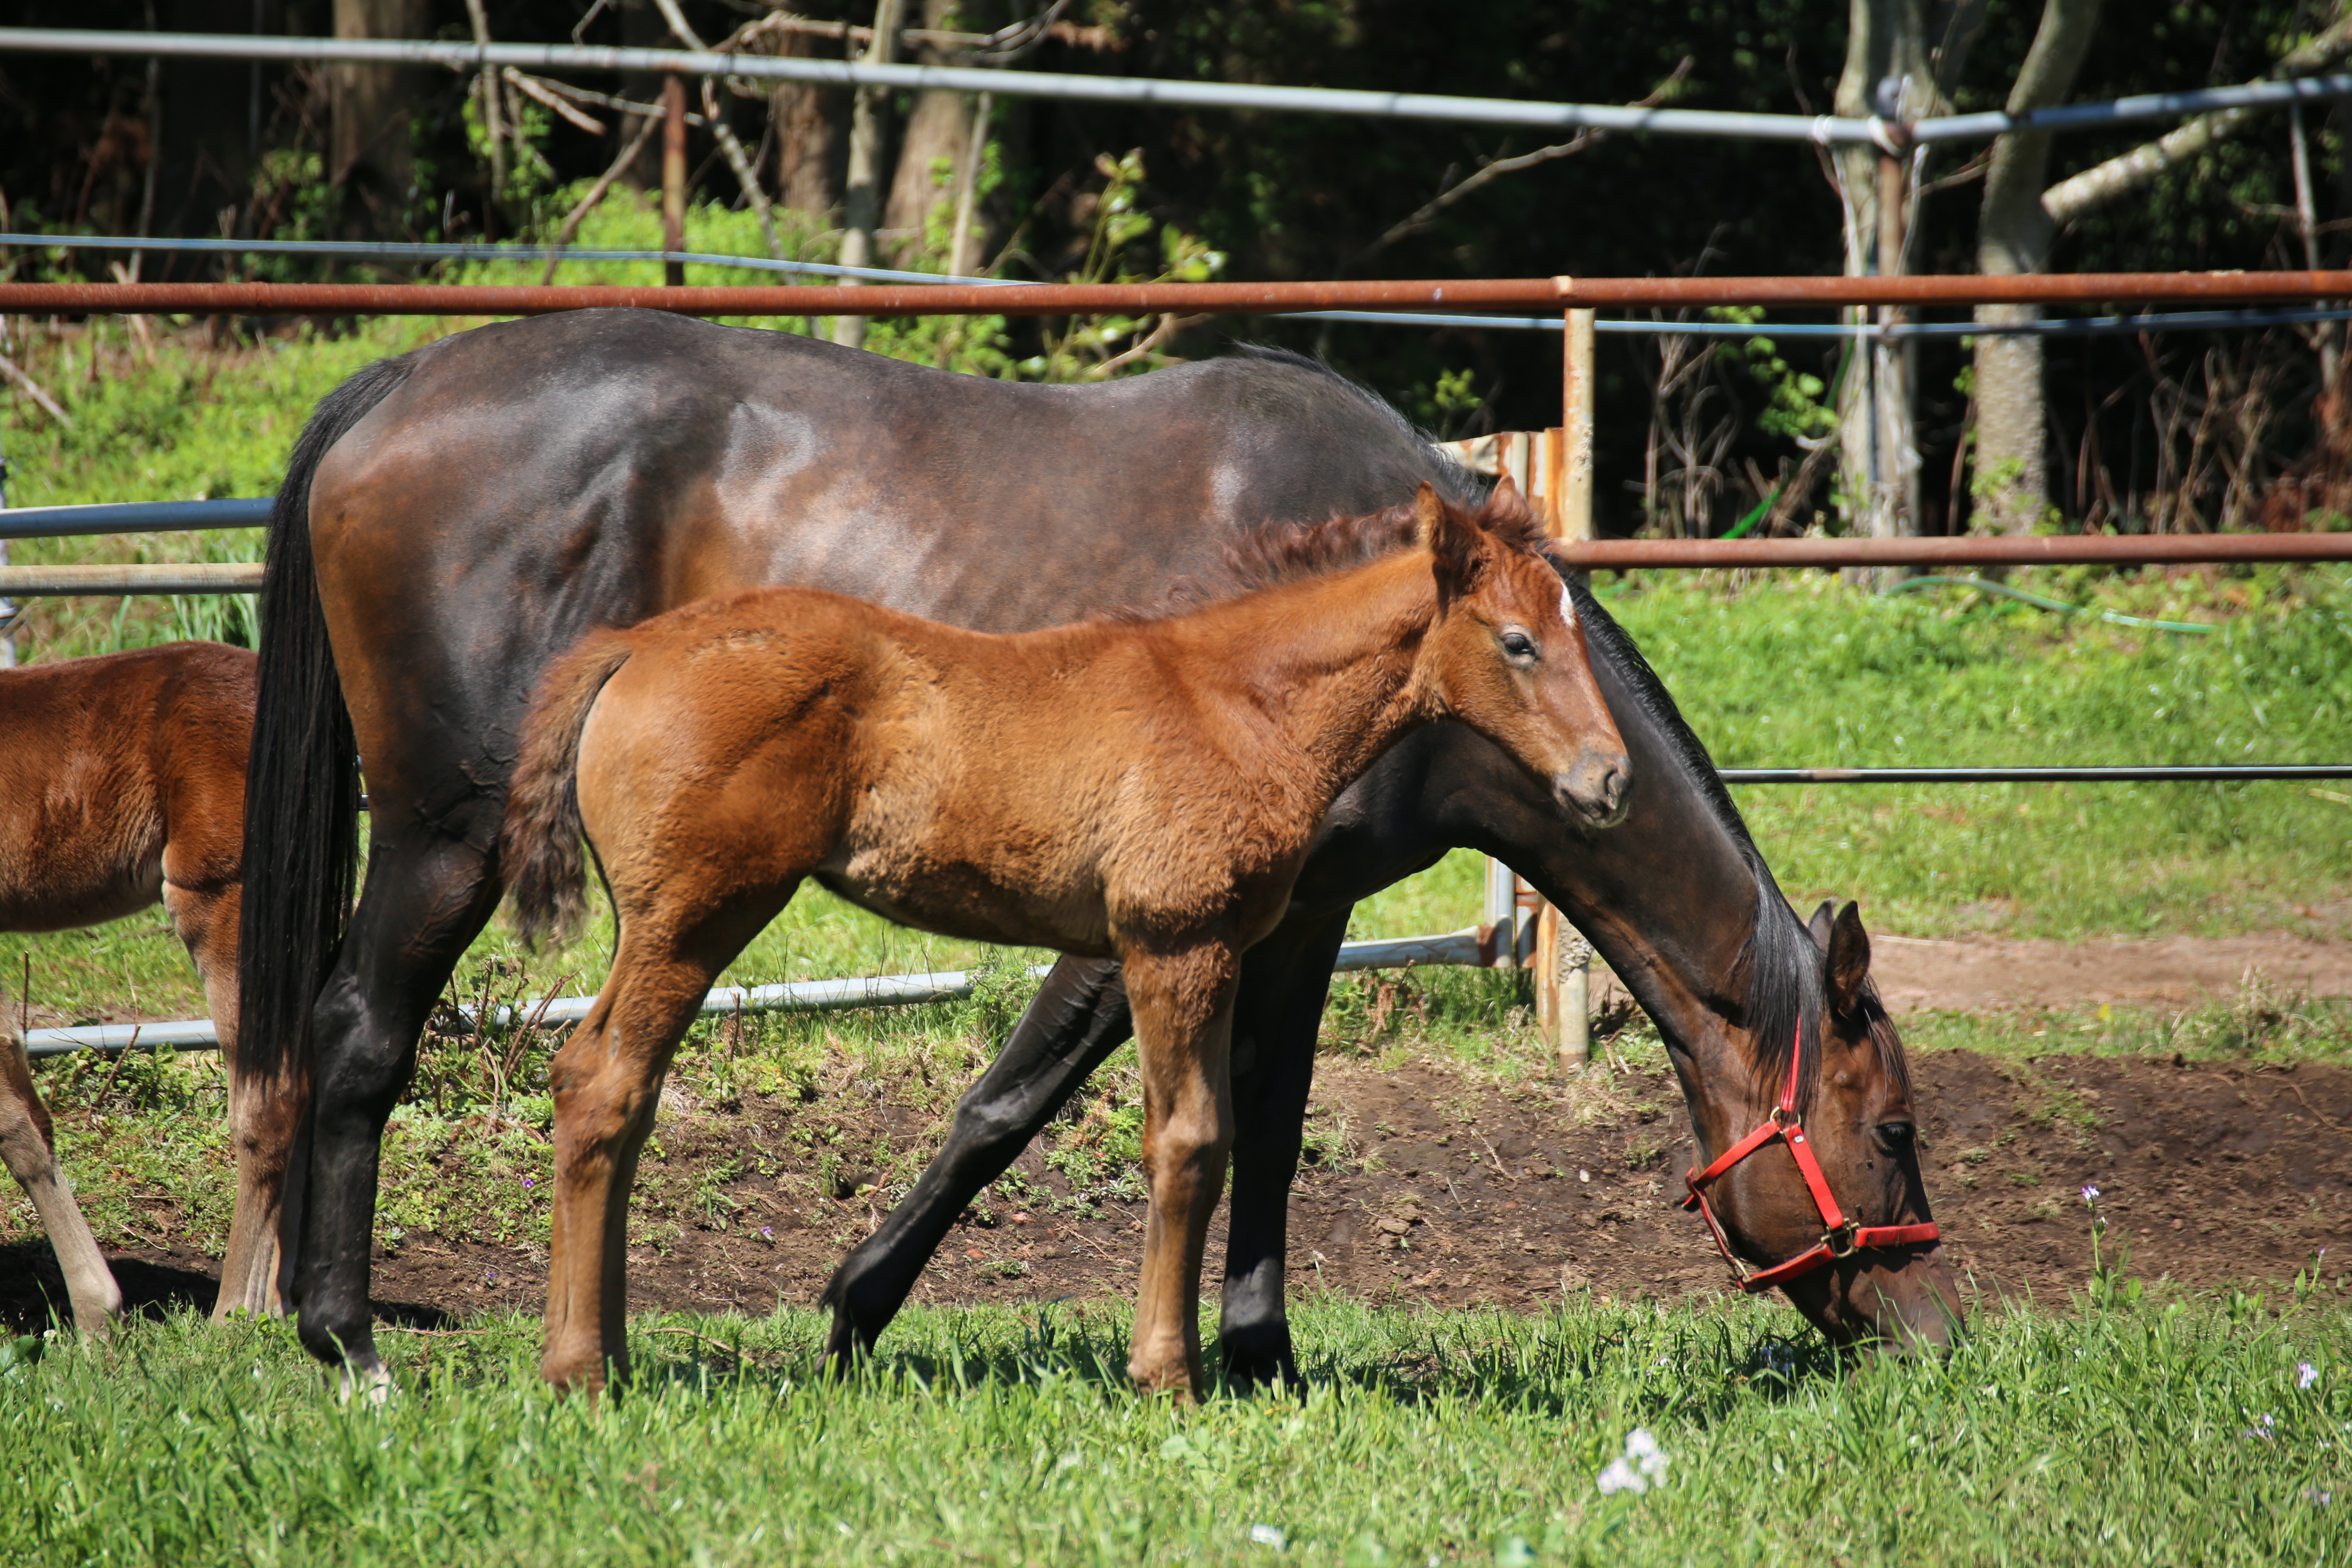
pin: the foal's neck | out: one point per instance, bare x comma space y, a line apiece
1332, 662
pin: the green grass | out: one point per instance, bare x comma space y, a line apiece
2120, 1434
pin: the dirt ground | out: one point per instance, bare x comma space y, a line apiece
1429, 1187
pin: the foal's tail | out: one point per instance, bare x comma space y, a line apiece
539, 852
302, 775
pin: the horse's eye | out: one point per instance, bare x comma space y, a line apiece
1519, 645
1895, 1135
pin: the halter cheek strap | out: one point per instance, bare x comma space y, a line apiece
1842, 1237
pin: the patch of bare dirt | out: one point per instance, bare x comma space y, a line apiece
1433, 1188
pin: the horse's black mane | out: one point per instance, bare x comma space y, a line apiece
1454, 480
1786, 968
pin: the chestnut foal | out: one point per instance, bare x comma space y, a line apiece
122, 781
1139, 789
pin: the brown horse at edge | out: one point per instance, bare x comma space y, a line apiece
122, 782
1138, 789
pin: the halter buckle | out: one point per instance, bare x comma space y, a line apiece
1841, 1241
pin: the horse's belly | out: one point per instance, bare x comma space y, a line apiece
954, 897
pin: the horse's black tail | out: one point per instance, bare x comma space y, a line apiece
302, 776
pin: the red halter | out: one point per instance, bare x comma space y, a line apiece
1843, 1238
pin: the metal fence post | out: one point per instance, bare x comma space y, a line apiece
7, 606
674, 177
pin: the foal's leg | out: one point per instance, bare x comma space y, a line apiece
1079, 1017
264, 1120
29, 1150
1183, 1006
607, 1081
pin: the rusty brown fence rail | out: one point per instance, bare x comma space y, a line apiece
1174, 298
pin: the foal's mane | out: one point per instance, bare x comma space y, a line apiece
1279, 553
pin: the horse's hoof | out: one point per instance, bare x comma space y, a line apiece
366, 1384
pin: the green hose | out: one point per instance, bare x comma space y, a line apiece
2038, 601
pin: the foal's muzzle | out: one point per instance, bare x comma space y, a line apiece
1595, 790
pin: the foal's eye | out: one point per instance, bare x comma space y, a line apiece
1895, 1135
1519, 645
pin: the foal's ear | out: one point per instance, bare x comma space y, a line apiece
1453, 538
1849, 961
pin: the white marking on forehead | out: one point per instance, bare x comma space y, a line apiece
1566, 605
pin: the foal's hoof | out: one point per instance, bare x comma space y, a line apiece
1177, 1384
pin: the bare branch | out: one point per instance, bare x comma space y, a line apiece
2072, 197
596, 192
1496, 169
33, 390
533, 87
737, 160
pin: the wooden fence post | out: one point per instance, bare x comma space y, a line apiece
1564, 959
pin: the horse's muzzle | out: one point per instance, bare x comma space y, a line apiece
1595, 791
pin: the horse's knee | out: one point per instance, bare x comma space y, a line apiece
1191, 1144
363, 1067
986, 1123
601, 1102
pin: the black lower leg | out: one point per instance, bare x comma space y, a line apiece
1077, 1018
1280, 1009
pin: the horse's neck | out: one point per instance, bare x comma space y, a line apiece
1330, 663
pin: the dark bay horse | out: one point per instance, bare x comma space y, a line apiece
454, 518
122, 784
1142, 790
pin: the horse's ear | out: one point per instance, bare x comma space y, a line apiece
1505, 497
1820, 925
1450, 538
1849, 965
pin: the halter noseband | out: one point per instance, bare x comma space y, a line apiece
1842, 1238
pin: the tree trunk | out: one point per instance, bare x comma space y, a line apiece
867, 129
932, 145
1887, 74
371, 108
2011, 481
811, 139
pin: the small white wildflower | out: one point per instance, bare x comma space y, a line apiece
1641, 1465
2090, 1193
1619, 1477
2305, 1375
1268, 1535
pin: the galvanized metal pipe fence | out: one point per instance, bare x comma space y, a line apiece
1889, 135
1507, 940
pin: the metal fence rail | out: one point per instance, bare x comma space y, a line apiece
535, 255
1605, 555
1822, 130
1547, 294
2192, 772
1458, 949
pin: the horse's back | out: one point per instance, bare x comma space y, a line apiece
102, 761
